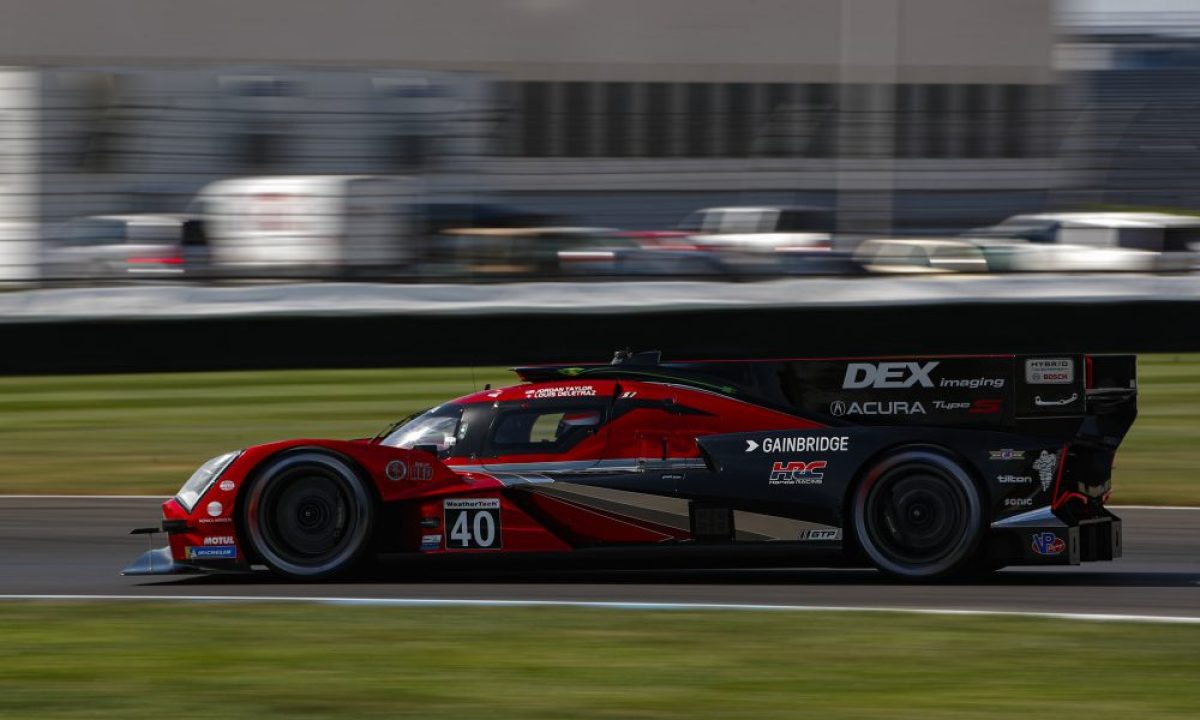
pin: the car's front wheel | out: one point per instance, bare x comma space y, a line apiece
309, 515
918, 515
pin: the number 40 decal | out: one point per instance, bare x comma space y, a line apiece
472, 523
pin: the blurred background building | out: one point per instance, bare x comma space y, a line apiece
1132, 72
913, 115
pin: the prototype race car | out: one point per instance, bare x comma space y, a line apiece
921, 466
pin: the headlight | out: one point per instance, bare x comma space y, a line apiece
203, 479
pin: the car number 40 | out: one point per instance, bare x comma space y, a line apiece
472, 523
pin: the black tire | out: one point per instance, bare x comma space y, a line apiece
919, 516
309, 515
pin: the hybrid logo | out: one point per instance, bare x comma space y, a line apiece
797, 473
839, 408
888, 375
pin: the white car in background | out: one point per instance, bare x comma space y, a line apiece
1091, 242
133, 245
760, 229
920, 256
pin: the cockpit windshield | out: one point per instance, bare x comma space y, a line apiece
441, 427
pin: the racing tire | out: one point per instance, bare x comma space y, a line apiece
309, 515
919, 516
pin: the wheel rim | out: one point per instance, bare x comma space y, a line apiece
917, 518
308, 516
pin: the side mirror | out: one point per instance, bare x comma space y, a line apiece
431, 449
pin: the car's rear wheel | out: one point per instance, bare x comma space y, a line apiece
918, 515
309, 515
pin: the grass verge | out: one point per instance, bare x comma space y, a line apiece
144, 434
299, 661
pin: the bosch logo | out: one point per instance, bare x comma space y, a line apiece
421, 472
886, 375
797, 473
1047, 543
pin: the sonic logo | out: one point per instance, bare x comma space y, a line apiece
797, 473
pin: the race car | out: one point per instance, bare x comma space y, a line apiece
924, 467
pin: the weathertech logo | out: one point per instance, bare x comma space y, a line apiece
798, 473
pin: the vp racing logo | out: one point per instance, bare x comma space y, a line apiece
797, 473
1047, 543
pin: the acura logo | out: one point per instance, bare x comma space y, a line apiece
837, 409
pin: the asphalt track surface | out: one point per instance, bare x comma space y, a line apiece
77, 546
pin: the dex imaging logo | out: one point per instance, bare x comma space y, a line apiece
888, 375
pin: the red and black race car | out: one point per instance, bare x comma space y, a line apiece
920, 466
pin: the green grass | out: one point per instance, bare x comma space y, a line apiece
146, 433
298, 661
1159, 462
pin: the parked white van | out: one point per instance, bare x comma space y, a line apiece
320, 223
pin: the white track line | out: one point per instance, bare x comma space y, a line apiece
446, 602
1152, 507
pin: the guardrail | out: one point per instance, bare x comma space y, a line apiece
171, 328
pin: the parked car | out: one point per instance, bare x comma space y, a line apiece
1091, 242
761, 229
920, 255
139, 245
537, 251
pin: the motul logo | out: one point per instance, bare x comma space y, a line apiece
888, 375
798, 473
